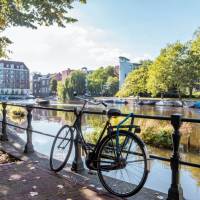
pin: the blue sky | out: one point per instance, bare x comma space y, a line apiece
145, 24
107, 29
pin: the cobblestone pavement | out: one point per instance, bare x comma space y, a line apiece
26, 181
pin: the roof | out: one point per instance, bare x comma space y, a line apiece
16, 63
123, 58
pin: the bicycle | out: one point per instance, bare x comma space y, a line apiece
120, 158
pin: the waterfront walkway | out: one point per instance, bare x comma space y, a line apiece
26, 180
31, 179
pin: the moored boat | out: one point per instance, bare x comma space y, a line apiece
42, 101
120, 101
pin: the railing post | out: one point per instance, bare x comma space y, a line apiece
175, 191
4, 136
77, 164
29, 146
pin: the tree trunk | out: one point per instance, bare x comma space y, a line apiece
190, 92
179, 95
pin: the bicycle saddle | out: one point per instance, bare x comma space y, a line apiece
113, 112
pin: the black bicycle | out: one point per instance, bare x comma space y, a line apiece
120, 158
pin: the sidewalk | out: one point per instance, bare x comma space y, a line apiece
31, 179
26, 180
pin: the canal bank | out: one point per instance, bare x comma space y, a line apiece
174, 102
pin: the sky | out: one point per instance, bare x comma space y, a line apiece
106, 29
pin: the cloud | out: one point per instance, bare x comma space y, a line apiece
54, 49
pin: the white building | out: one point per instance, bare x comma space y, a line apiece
125, 67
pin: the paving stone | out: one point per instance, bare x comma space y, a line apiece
32, 180
20, 182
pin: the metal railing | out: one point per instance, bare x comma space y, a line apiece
175, 191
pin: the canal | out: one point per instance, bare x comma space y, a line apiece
160, 175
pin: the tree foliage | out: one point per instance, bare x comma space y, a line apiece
136, 81
75, 82
175, 71
97, 80
31, 13
162, 71
61, 91
111, 86
53, 85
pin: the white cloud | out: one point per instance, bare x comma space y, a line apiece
54, 49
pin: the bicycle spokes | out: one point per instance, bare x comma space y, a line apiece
122, 173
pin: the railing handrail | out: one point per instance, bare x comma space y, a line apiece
156, 117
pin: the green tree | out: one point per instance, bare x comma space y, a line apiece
162, 73
61, 90
75, 82
53, 85
98, 78
112, 86
31, 13
135, 83
192, 63
4, 43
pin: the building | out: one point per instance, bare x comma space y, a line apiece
41, 85
125, 67
14, 78
65, 74
58, 76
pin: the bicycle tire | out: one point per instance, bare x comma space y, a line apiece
104, 166
61, 163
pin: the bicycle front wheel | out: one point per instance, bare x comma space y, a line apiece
61, 148
122, 170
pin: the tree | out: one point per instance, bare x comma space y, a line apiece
75, 82
61, 90
4, 43
98, 78
162, 74
192, 62
31, 14
112, 86
135, 83
53, 85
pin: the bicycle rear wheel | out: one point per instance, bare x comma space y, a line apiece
122, 175
61, 148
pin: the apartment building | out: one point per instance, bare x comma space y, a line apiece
41, 85
125, 67
14, 78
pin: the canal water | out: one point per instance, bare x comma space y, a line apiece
160, 176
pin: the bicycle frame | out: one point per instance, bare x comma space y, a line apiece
77, 127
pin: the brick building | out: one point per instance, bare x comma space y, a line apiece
14, 78
41, 85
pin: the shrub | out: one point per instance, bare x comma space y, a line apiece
156, 133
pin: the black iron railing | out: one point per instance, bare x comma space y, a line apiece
175, 191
